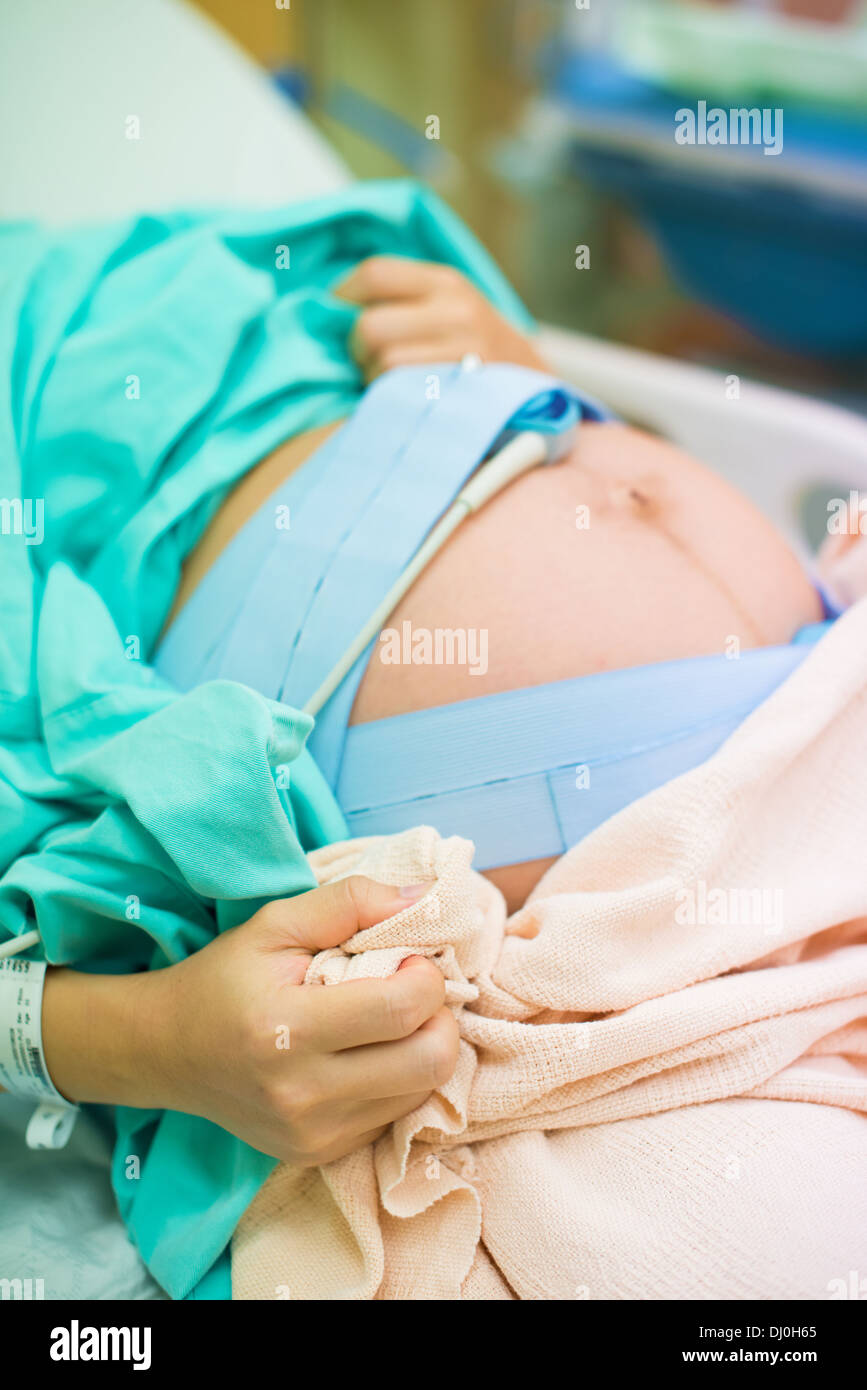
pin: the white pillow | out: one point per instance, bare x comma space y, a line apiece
213, 128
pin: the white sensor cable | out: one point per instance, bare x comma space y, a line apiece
522, 453
19, 943
527, 450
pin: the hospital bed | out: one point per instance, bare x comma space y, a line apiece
215, 131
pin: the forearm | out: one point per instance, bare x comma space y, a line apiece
208, 1035
106, 1037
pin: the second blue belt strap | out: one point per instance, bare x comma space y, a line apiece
280, 606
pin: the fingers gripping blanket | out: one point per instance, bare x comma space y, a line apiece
662, 1083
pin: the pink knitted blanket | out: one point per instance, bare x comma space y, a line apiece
662, 1083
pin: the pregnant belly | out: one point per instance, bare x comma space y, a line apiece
626, 553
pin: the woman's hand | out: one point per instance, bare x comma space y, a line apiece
304, 1073
415, 312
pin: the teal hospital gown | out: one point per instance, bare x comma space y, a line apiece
146, 366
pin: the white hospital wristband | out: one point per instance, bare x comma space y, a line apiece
22, 1062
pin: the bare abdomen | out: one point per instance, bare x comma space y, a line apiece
626, 553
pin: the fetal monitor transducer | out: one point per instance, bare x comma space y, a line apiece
525, 451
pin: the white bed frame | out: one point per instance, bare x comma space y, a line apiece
215, 131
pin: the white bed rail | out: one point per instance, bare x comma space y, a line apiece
773, 444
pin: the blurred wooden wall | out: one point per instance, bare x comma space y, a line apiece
268, 34
463, 61
457, 60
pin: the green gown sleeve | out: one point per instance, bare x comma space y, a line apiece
146, 366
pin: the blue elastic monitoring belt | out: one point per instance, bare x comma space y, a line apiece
524, 774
